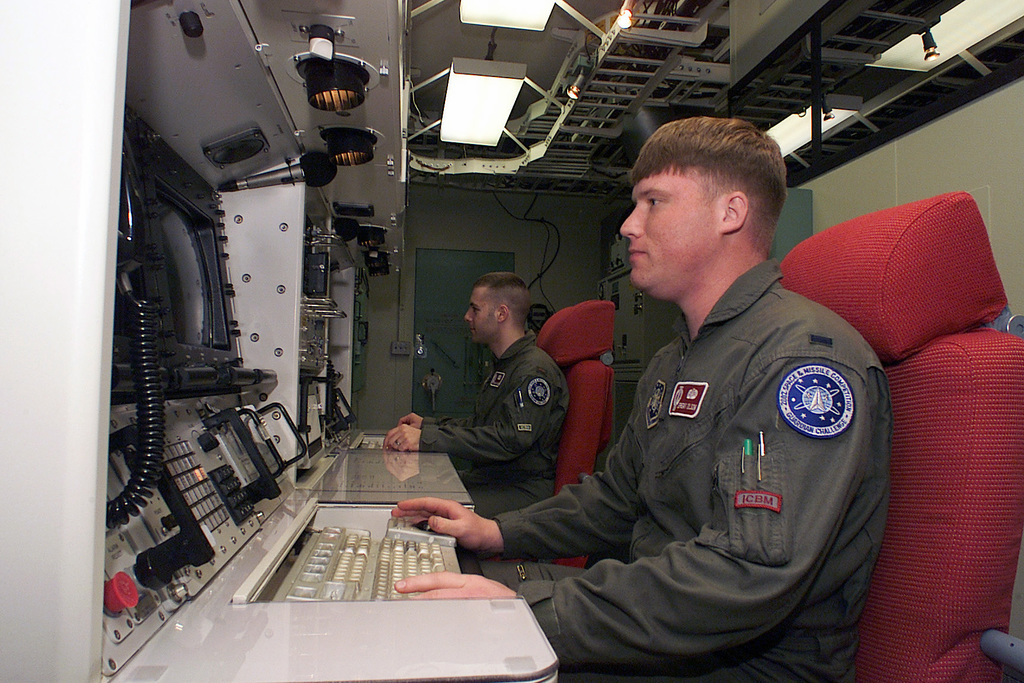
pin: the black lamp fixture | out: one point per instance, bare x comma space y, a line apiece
333, 83
349, 146
579, 72
931, 50
346, 228
573, 91
826, 110
372, 236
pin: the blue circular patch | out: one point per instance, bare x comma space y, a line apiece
538, 391
816, 401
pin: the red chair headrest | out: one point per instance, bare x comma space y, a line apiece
905, 275
579, 332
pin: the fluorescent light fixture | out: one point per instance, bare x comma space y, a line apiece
531, 15
960, 28
479, 100
794, 132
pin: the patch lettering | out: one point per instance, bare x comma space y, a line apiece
524, 427
496, 379
687, 398
654, 403
539, 391
758, 499
816, 401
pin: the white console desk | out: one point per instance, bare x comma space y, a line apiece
221, 636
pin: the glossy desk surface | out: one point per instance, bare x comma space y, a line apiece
210, 639
374, 476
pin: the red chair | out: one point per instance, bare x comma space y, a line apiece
919, 282
579, 339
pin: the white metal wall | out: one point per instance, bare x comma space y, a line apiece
62, 84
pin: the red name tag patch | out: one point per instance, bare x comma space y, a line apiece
759, 499
686, 399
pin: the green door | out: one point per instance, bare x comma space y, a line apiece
444, 357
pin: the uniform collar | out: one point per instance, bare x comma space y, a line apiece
527, 339
742, 293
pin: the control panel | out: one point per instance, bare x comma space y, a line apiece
178, 512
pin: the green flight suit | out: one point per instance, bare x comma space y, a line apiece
740, 568
511, 441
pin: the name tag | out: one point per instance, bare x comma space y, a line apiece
687, 399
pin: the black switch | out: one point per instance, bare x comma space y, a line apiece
207, 442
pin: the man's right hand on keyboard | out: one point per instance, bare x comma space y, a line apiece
473, 532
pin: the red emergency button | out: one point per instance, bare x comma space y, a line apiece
120, 593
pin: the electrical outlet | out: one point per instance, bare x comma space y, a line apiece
401, 348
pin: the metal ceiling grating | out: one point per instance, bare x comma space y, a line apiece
650, 67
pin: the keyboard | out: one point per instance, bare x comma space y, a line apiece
368, 441
348, 564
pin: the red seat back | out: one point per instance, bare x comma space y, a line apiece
919, 281
576, 338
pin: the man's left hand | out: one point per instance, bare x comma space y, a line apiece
446, 585
403, 438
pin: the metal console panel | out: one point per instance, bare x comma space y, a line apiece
209, 488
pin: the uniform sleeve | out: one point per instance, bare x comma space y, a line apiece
596, 515
447, 421
517, 423
759, 558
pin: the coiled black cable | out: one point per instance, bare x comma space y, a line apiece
149, 412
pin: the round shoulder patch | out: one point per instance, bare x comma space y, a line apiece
816, 401
538, 391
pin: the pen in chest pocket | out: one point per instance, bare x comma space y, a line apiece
748, 450
760, 453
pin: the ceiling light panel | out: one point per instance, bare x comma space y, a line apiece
531, 15
794, 132
960, 28
479, 100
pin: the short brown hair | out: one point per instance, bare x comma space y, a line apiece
509, 289
730, 154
